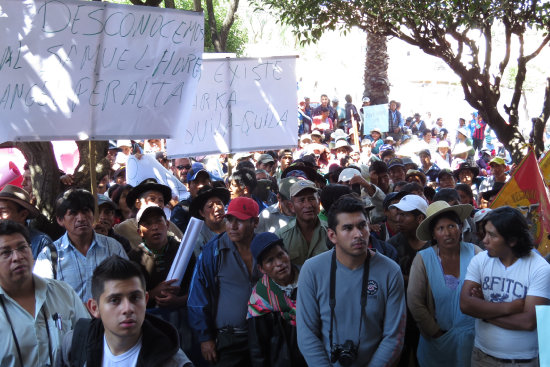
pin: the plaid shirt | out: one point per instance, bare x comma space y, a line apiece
73, 267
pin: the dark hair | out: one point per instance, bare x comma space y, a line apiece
413, 187
118, 191
331, 193
426, 131
273, 155
398, 186
74, 199
429, 193
8, 227
114, 268
245, 177
512, 225
445, 215
348, 98
284, 152
344, 204
467, 189
324, 109
246, 164
446, 195
385, 153
378, 167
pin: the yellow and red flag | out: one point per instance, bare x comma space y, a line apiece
544, 164
527, 192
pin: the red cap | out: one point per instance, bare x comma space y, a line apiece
243, 208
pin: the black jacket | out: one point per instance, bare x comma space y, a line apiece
273, 342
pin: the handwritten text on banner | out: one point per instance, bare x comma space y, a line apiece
87, 69
241, 105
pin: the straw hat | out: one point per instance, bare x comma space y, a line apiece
434, 210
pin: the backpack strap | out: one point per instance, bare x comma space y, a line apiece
53, 258
79, 343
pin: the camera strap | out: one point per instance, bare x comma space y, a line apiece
332, 298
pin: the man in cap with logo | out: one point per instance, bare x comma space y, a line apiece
305, 235
396, 170
197, 177
498, 174
15, 205
222, 283
278, 215
351, 301
148, 192
266, 162
272, 306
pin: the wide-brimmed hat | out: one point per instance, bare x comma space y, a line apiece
343, 144
20, 197
466, 166
376, 130
149, 184
434, 210
460, 148
308, 171
205, 193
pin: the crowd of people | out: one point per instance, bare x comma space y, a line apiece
361, 246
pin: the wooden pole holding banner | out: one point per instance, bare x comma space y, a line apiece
356, 141
93, 176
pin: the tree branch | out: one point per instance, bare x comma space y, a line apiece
506, 59
538, 50
213, 26
228, 22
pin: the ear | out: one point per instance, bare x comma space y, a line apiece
331, 235
261, 269
93, 308
256, 221
139, 231
512, 241
201, 212
60, 221
246, 192
146, 297
138, 204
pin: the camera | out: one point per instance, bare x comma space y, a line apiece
345, 353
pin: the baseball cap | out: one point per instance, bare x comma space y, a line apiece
263, 241
395, 162
481, 214
148, 211
265, 158
335, 100
411, 202
243, 208
366, 99
300, 186
104, 199
392, 196
497, 160
347, 174
196, 168
284, 186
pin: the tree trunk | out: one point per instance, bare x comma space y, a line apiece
81, 177
377, 85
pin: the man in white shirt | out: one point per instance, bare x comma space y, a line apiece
501, 289
121, 333
36, 312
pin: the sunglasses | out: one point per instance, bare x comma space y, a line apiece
180, 167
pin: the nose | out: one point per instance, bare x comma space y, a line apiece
127, 306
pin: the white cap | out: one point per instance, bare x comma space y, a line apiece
347, 174
481, 214
410, 203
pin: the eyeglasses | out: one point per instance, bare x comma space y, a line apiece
6, 253
180, 167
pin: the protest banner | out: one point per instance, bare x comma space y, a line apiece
241, 105
76, 70
185, 250
375, 117
146, 167
527, 192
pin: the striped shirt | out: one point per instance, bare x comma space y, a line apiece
75, 268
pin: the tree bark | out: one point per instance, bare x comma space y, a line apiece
81, 176
219, 37
377, 85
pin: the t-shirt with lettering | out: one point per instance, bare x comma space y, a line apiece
528, 276
127, 359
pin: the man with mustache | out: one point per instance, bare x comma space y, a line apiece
351, 304
80, 250
304, 235
121, 333
221, 286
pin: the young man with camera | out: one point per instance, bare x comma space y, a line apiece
351, 304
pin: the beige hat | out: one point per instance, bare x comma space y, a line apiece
20, 197
301, 185
343, 144
434, 210
460, 148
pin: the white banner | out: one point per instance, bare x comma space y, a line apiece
138, 170
241, 105
95, 70
375, 117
